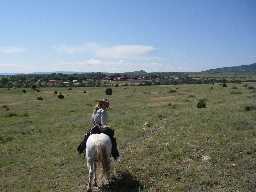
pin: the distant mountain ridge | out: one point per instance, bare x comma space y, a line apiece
235, 69
73, 72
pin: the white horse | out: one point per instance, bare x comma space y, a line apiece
98, 151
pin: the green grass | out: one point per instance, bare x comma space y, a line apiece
167, 143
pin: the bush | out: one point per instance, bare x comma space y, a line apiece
85, 91
108, 91
60, 96
251, 87
250, 108
172, 91
40, 98
25, 114
224, 85
201, 103
6, 107
24, 90
191, 96
171, 105
234, 87
11, 115
69, 88
55, 92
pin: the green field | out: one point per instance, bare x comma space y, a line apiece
166, 142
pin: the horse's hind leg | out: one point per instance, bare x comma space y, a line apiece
90, 167
107, 171
94, 174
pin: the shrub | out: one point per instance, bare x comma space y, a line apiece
60, 96
108, 91
40, 98
69, 88
25, 114
55, 92
161, 116
201, 103
11, 115
24, 90
251, 87
250, 108
172, 91
171, 105
85, 91
33, 87
4, 139
191, 96
224, 85
6, 107
234, 87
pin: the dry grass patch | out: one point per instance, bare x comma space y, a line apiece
161, 101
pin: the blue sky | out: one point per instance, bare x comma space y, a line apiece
125, 35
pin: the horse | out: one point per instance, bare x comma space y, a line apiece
98, 152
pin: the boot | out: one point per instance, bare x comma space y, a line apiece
114, 151
82, 145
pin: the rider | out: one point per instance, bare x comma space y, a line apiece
99, 121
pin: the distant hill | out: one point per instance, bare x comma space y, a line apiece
7, 74
235, 69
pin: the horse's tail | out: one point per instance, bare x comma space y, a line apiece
102, 157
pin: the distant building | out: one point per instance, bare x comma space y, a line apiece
66, 83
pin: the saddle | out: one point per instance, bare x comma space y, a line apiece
106, 130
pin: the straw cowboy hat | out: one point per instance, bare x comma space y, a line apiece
103, 101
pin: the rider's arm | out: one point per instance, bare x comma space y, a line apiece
104, 118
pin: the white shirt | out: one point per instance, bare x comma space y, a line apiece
99, 117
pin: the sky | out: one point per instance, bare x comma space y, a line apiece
125, 35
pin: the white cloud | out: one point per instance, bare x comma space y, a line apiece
11, 50
113, 65
124, 51
115, 58
123, 57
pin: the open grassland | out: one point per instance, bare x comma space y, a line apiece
166, 142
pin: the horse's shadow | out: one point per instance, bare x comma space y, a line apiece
122, 181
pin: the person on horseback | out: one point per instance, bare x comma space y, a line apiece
99, 122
